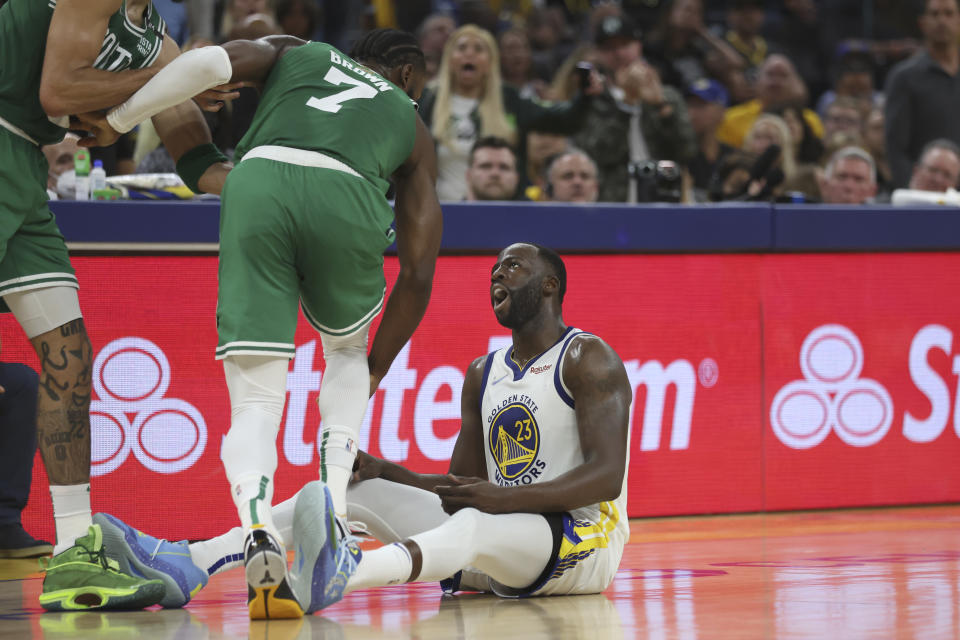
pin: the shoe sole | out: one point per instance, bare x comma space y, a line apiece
309, 541
91, 598
118, 536
37, 551
268, 592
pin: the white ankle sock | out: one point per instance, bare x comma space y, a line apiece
219, 554
390, 564
71, 513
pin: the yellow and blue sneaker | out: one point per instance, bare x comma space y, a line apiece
83, 578
326, 554
142, 555
268, 590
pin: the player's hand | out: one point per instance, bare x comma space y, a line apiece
365, 467
471, 492
213, 99
100, 133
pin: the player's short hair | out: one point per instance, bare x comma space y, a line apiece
390, 48
555, 262
490, 142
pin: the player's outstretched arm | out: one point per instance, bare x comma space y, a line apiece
69, 82
419, 228
600, 388
196, 71
467, 459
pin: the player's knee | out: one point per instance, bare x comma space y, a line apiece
468, 523
50, 313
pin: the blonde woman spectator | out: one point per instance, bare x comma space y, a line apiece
470, 101
768, 130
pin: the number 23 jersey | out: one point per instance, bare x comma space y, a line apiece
530, 428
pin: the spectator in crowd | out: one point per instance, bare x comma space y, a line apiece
547, 30
470, 102
60, 159
239, 22
732, 177
516, 64
541, 147
299, 18
683, 50
174, 13
808, 148
18, 446
636, 119
854, 79
433, 35
769, 130
850, 177
706, 100
922, 92
777, 84
938, 168
572, 177
874, 142
745, 20
492, 172
844, 115
800, 36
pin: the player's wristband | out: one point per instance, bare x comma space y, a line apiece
192, 165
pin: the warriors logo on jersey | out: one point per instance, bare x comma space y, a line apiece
514, 441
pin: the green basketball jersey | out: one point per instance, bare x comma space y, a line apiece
23, 39
318, 99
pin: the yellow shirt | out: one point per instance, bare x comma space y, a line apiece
738, 119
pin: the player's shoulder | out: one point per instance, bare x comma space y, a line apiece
588, 354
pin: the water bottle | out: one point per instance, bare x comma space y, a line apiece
98, 177
81, 167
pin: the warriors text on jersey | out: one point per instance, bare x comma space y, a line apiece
23, 40
530, 435
318, 99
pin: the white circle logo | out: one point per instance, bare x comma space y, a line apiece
832, 395
131, 376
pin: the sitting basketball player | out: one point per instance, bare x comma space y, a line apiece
537, 483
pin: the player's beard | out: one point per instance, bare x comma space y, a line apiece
524, 306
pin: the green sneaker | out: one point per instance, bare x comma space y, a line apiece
83, 578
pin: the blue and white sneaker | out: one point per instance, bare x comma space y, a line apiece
141, 555
326, 555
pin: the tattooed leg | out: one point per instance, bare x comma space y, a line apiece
63, 402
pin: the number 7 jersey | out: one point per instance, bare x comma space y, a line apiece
318, 99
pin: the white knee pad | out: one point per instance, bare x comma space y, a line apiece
41, 310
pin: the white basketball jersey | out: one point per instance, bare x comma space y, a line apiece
530, 430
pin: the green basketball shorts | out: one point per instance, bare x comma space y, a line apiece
33, 253
289, 234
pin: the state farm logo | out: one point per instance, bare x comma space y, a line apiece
832, 395
167, 435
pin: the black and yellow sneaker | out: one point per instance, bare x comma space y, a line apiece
82, 578
268, 588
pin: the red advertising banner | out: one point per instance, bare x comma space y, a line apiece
761, 382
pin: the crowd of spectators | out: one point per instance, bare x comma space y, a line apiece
575, 101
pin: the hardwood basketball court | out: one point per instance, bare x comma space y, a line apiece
866, 573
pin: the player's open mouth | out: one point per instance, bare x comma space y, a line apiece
498, 296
